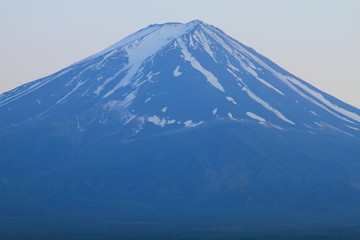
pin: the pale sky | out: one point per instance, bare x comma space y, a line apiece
317, 40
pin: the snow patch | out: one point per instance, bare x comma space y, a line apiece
230, 99
230, 116
190, 123
157, 121
160, 121
171, 121
177, 72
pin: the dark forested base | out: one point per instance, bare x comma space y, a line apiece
222, 181
99, 228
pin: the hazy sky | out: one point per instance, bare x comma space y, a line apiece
317, 40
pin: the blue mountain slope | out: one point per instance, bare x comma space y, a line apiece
171, 76
177, 123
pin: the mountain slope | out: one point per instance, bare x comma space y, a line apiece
177, 123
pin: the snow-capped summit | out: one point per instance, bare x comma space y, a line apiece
172, 76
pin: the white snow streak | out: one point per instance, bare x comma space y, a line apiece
232, 51
256, 117
232, 66
124, 81
267, 106
101, 87
286, 81
321, 98
130, 117
32, 87
128, 99
218, 39
100, 64
290, 81
314, 113
195, 64
81, 129
74, 89
237, 77
255, 75
353, 127
205, 43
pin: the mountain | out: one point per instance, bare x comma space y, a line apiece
169, 76
177, 123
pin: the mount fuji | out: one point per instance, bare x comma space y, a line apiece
177, 120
